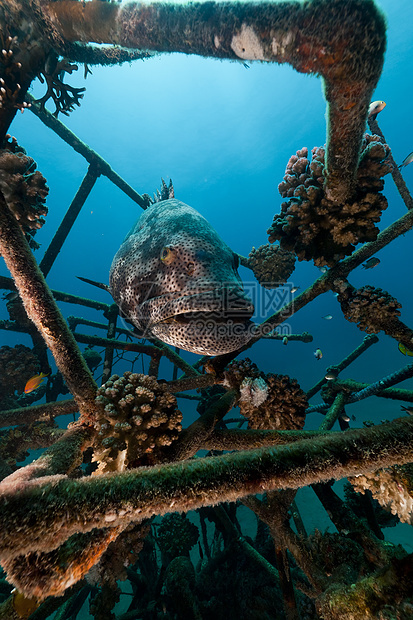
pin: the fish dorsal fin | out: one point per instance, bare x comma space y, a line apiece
105, 287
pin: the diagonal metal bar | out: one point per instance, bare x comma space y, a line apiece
69, 219
41, 308
83, 149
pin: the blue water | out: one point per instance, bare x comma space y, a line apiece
224, 134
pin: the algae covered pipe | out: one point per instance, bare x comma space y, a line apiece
116, 499
41, 308
341, 40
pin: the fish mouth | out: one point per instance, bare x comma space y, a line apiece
203, 324
186, 318
221, 305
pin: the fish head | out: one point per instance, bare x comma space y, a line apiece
175, 279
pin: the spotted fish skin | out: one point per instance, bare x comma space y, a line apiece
174, 278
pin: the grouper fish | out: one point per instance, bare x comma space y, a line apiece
175, 279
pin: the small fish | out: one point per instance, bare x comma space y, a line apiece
375, 107
34, 382
285, 340
345, 417
294, 289
327, 317
246, 65
331, 375
406, 161
404, 350
323, 269
318, 354
10, 296
336, 294
408, 410
372, 262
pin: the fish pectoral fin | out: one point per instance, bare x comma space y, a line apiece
105, 287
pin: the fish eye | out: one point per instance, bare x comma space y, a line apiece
190, 268
167, 255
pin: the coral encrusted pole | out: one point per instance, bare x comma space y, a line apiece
41, 308
341, 40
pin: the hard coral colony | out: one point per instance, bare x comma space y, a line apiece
106, 502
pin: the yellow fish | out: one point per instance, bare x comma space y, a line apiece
34, 382
405, 350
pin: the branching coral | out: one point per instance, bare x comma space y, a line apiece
271, 265
24, 188
137, 418
64, 97
371, 308
314, 227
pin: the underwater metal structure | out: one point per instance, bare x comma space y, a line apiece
57, 524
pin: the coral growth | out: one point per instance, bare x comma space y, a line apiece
165, 193
342, 558
17, 365
176, 536
137, 418
10, 89
121, 553
64, 97
92, 358
24, 188
371, 308
315, 228
268, 401
271, 265
391, 487
284, 407
239, 370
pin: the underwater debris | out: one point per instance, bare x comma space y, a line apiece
137, 418
371, 308
271, 265
315, 228
24, 188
